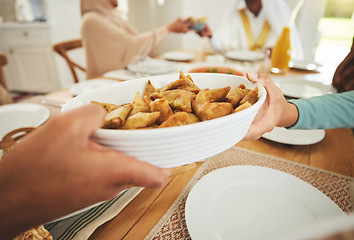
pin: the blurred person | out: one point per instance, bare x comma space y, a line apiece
322, 112
5, 97
254, 25
57, 169
343, 79
112, 43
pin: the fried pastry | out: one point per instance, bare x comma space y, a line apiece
217, 94
139, 105
109, 107
180, 102
243, 106
207, 111
141, 120
117, 117
251, 97
177, 119
236, 95
178, 99
201, 97
38, 233
162, 106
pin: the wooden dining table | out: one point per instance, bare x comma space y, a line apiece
335, 154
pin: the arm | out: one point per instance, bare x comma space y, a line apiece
323, 112
57, 169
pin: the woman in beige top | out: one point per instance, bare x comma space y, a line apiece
111, 42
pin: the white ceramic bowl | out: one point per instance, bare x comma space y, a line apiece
174, 146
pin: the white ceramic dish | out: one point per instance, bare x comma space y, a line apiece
152, 66
340, 227
179, 56
250, 202
304, 66
19, 115
174, 146
295, 137
244, 55
88, 85
301, 88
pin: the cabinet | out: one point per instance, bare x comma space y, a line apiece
31, 65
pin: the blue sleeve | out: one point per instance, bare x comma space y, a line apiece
325, 112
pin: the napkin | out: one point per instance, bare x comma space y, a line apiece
82, 225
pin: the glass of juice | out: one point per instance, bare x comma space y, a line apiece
281, 53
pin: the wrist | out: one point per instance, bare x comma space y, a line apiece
289, 115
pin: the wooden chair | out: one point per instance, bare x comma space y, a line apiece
3, 62
62, 48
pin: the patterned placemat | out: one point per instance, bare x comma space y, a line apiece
337, 187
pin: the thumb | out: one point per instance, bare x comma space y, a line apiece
253, 77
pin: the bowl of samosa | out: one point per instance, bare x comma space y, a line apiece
176, 119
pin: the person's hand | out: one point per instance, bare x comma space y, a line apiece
275, 111
179, 26
205, 32
57, 169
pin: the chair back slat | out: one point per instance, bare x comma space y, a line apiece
62, 49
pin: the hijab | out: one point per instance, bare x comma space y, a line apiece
105, 8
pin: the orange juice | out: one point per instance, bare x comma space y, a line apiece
280, 57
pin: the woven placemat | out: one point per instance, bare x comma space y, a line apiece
337, 187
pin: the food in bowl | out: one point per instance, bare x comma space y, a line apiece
173, 146
179, 103
212, 69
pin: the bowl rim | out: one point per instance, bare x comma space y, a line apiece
132, 132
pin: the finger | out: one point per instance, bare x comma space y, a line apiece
256, 131
130, 171
253, 77
86, 119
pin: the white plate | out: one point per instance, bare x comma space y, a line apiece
19, 115
88, 85
340, 227
152, 66
305, 66
244, 55
295, 137
298, 87
250, 202
179, 56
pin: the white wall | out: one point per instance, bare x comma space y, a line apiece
307, 22
64, 17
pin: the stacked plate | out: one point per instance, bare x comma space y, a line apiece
244, 55
88, 85
150, 66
